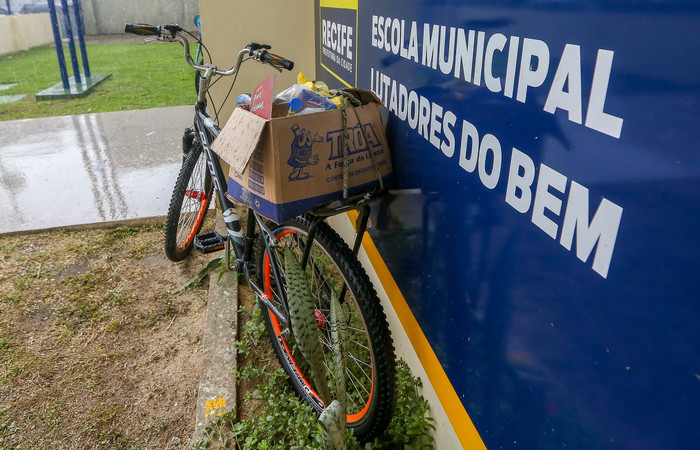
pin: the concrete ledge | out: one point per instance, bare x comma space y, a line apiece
136, 222
217, 385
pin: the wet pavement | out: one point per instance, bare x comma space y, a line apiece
9, 98
86, 169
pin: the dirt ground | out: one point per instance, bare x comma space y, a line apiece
95, 352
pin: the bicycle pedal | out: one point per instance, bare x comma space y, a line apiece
209, 242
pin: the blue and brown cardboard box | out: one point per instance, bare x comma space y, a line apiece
285, 166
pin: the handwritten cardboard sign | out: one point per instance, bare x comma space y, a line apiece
262, 97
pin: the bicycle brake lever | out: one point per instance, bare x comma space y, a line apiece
253, 46
274, 67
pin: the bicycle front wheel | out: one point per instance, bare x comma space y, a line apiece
188, 205
371, 367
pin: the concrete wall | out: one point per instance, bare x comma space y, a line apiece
109, 16
21, 32
289, 27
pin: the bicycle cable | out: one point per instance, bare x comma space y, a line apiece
211, 100
228, 94
199, 41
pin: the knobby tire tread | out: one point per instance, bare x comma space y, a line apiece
376, 420
172, 251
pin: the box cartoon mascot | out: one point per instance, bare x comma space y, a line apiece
301, 152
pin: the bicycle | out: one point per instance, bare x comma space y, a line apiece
329, 263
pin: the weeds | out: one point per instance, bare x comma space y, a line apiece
5, 344
84, 283
280, 420
121, 233
28, 279
8, 429
18, 361
11, 299
100, 422
113, 326
81, 249
115, 297
72, 353
140, 250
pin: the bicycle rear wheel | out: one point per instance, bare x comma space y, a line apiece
188, 205
371, 369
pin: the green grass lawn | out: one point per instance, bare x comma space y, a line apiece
143, 76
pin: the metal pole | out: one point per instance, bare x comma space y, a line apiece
71, 43
78, 9
198, 23
59, 45
9, 10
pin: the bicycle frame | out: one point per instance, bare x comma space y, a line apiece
242, 244
207, 130
323, 252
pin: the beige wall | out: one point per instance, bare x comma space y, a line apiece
21, 32
228, 25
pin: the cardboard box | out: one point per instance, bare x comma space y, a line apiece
286, 166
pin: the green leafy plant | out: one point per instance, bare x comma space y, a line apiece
11, 299
412, 425
280, 420
303, 320
121, 233
197, 279
333, 419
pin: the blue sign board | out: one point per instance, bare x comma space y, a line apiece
543, 226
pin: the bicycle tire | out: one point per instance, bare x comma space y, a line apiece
369, 409
188, 205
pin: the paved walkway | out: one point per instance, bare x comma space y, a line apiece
93, 168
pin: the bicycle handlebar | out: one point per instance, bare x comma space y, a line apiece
172, 33
276, 60
142, 29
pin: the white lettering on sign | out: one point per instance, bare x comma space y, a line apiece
390, 35
470, 54
599, 233
497, 43
520, 178
557, 205
464, 54
568, 74
338, 43
602, 229
337, 37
